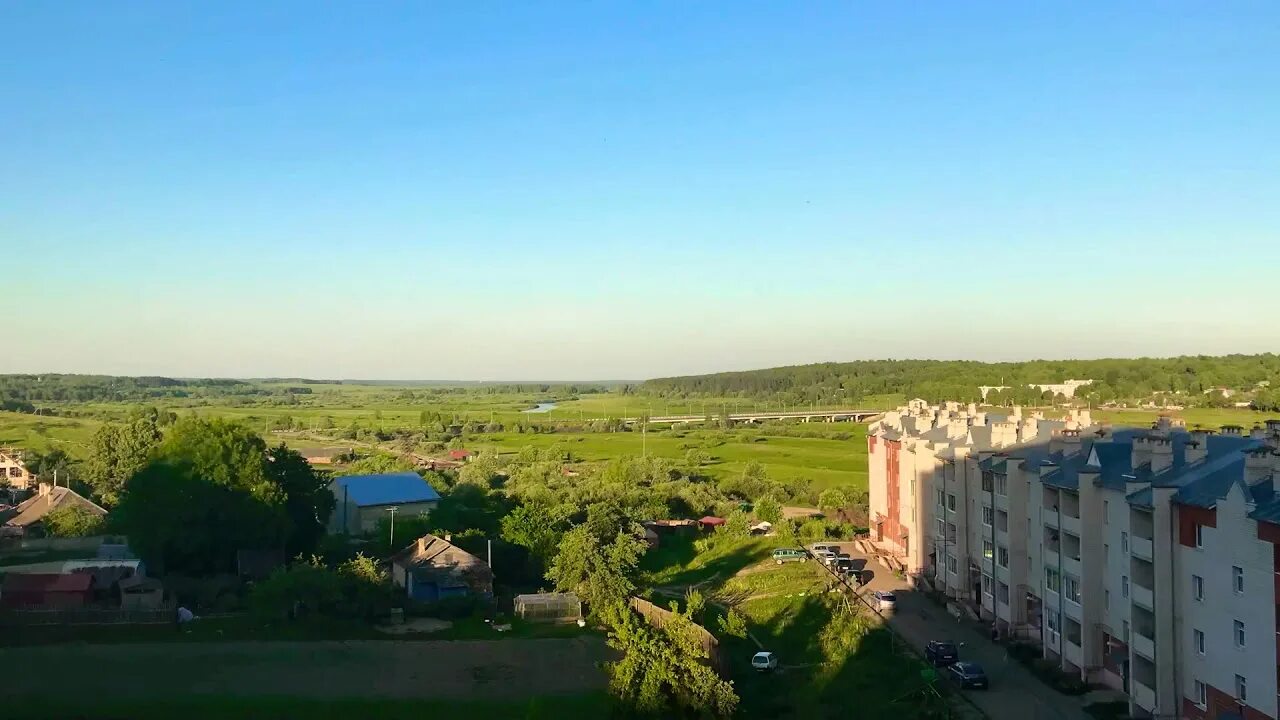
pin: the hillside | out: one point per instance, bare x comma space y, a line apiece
1114, 379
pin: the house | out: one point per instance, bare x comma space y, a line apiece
141, 593
12, 469
672, 527
432, 569
28, 517
363, 500
460, 455
46, 590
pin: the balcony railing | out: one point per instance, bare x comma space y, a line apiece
1143, 695
1143, 645
1141, 548
1071, 524
1142, 596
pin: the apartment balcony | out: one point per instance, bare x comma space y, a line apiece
1071, 566
1072, 652
1002, 502
1049, 558
1142, 596
1143, 695
1071, 524
1143, 645
1141, 548
1049, 518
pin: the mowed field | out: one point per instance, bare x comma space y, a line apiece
260, 676
826, 461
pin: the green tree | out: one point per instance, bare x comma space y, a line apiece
833, 499
536, 527
117, 451
733, 624
736, 524
601, 575
307, 500
768, 510
72, 521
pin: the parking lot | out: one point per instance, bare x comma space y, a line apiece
1014, 694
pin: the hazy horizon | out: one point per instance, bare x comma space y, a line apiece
472, 192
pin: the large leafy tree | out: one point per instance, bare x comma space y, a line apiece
117, 452
211, 489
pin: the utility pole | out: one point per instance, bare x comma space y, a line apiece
392, 541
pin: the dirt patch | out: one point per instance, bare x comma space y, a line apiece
416, 625
501, 669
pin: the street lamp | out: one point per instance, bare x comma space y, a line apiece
392, 541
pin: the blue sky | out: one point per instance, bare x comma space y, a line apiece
627, 190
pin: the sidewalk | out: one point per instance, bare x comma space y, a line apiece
1015, 693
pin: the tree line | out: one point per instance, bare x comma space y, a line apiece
1114, 379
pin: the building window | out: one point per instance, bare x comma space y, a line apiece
1201, 695
942, 498
1199, 535
1053, 625
1051, 580
988, 516
1238, 627
942, 528
1242, 692
1106, 512
951, 532
987, 549
1002, 521
986, 585
1073, 588
951, 563
1124, 542
1002, 485
1237, 579
951, 502
1124, 586
1197, 588
1197, 641
988, 485
1002, 592
1002, 556
1124, 631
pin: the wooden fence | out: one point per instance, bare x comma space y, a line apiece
659, 617
86, 616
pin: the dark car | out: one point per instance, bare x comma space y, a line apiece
941, 653
969, 675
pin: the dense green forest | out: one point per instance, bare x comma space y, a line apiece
1113, 380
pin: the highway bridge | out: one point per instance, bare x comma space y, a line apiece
760, 416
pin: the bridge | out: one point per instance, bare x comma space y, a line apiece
760, 416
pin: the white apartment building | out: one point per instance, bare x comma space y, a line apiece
1142, 559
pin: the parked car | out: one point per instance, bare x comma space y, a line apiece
764, 661
785, 555
941, 653
833, 549
969, 675
855, 576
844, 564
884, 599
824, 556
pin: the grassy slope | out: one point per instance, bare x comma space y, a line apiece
43, 433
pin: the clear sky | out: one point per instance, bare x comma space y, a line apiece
479, 190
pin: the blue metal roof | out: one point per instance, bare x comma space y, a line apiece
387, 489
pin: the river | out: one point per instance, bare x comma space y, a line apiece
541, 408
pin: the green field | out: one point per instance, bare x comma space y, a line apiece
44, 433
825, 461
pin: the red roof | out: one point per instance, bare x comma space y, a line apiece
47, 582
459, 454
711, 520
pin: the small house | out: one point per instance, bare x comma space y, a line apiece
141, 593
459, 455
27, 518
363, 500
323, 456
433, 569
13, 470
46, 591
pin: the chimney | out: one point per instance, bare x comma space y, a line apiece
1161, 453
1003, 434
1257, 465
980, 419
1017, 412
972, 409
1028, 430
957, 428
1232, 430
1258, 433
1084, 417
1198, 446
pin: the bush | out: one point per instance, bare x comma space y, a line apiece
453, 608
357, 589
733, 624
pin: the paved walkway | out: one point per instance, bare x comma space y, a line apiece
1015, 693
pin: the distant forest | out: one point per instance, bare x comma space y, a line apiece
1114, 380
23, 392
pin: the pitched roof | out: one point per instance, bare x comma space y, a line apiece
433, 557
33, 509
386, 489
47, 582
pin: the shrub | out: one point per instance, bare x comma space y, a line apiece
733, 624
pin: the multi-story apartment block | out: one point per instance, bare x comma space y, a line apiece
1144, 559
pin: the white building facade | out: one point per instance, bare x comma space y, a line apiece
1141, 559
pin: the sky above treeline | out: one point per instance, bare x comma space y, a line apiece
628, 190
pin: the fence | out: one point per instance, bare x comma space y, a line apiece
659, 617
86, 616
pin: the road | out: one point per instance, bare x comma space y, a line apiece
1015, 693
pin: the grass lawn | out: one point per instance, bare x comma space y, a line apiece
46, 432
833, 660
